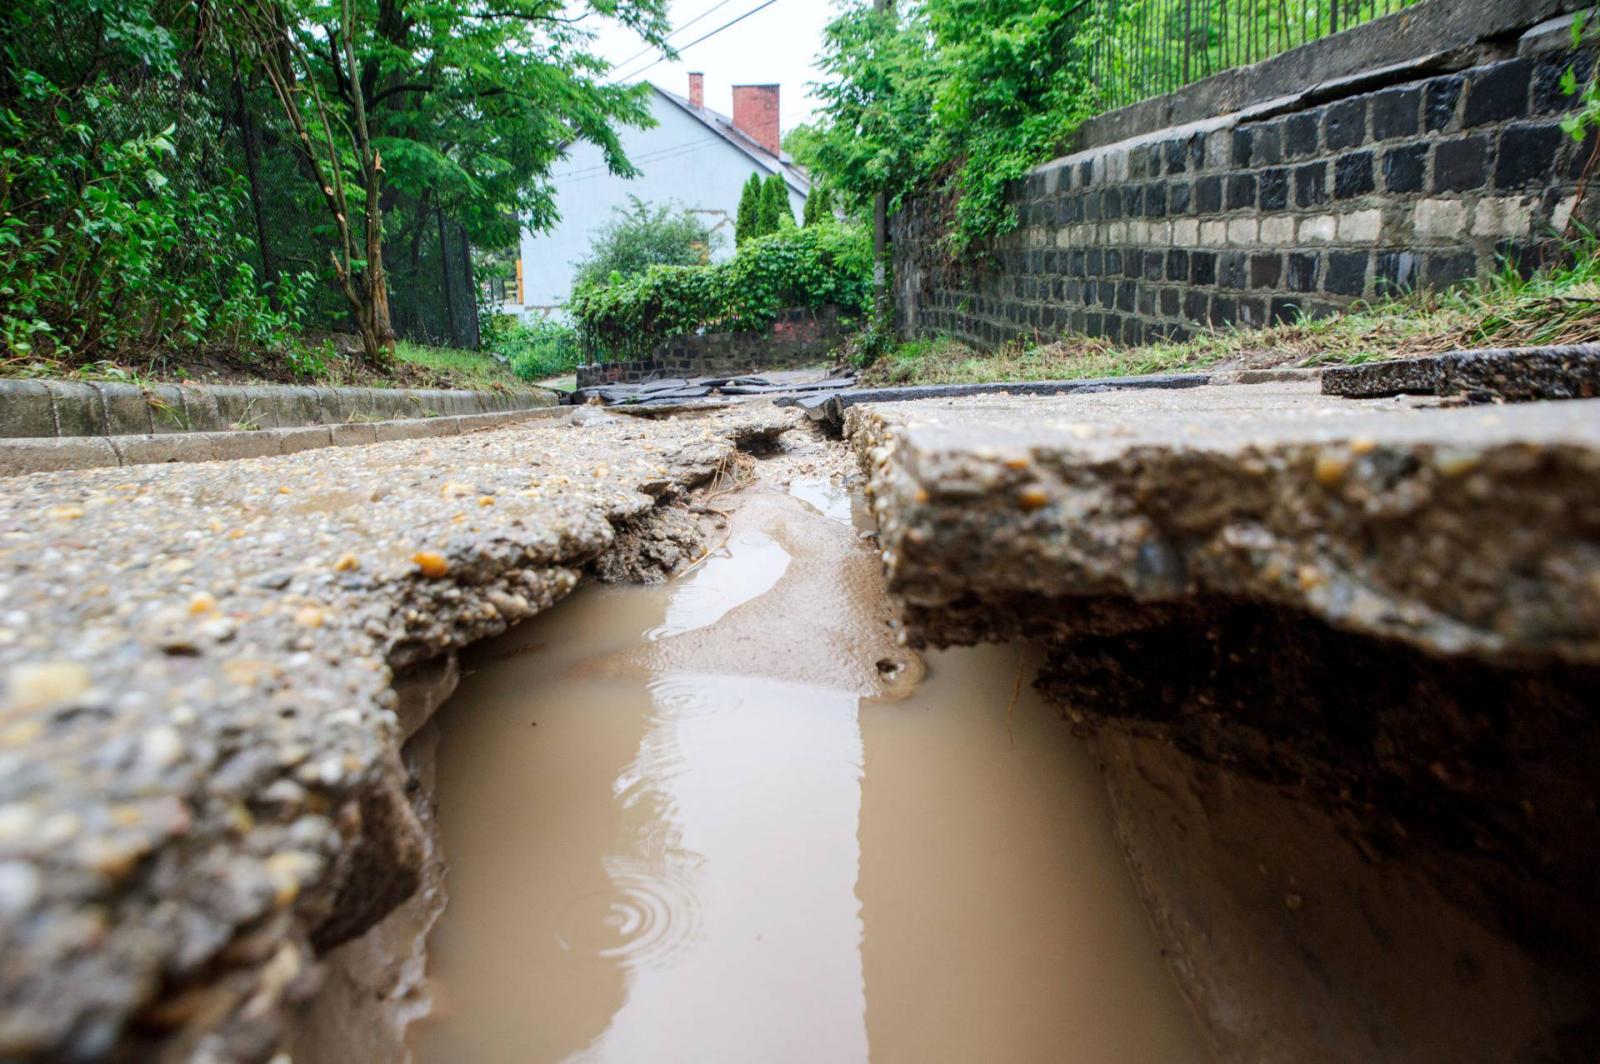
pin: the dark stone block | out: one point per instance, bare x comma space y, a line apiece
1154, 265
1076, 263
1177, 265
1224, 310
1178, 197
1521, 259
1395, 113
1132, 332
1403, 168
1311, 184
1241, 191
1274, 189
1267, 145
1497, 94
1580, 154
1440, 97
1175, 156
1139, 162
1285, 311
1178, 334
1125, 293
1232, 269
1133, 201
1346, 274
1300, 134
1170, 298
1194, 306
1091, 207
1352, 175
1111, 204
1396, 273
1547, 77
1203, 267
1107, 294
1208, 195
1448, 267
1302, 276
1091, 325
1113, 262
1147, 301
1265, 270
1155, 200
1241, 147
1527, 155
1095, 262
1085, 174
1460, 164
1345, 125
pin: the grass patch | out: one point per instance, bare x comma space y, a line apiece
1560, 305
462, 369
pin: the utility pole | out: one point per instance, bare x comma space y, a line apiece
880, 222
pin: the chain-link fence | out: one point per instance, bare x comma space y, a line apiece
1147, 48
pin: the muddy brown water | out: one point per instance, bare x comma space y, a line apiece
727, 819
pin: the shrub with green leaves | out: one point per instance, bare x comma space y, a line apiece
818, 265
640, 236
536, 350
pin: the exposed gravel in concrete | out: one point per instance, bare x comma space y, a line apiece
1456, 530
1571, 371
199, 785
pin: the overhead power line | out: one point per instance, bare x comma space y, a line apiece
641, 53
704, 37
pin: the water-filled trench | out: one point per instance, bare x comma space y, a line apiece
728, 819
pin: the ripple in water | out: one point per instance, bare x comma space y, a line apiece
647, 916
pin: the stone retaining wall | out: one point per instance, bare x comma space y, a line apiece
1303, 205
53, 408
803, 336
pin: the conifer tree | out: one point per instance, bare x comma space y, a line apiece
747, 222
775, 211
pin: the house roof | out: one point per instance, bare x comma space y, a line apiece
794, 175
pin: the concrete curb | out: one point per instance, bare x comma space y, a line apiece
51, 453
41, 409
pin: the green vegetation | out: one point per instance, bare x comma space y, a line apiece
820, 264
746, 221
147, 146
641, 236
774, 214
1559, 305
959, 98
537, 351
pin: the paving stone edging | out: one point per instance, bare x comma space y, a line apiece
40, 409
49, 454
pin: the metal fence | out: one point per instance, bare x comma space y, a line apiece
1144, 48
432, 296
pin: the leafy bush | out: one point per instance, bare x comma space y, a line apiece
114, 241
536, 350
641, 236
820, 264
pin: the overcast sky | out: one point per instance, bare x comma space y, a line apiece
777, 45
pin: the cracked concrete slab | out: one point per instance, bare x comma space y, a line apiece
1458, 531
199, 782
1337, 660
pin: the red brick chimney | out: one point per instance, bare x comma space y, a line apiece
697, 88
755, 114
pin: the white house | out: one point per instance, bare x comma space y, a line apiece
693, 156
